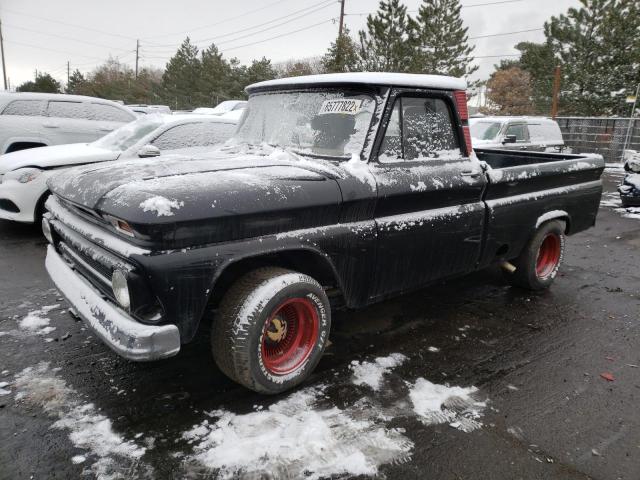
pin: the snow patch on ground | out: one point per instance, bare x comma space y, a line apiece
88, 429
161, 206
371, 373
294, 438
435, 404
37, 322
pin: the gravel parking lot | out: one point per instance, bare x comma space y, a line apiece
556, 377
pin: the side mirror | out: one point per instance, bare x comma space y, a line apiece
509, 139
149, 151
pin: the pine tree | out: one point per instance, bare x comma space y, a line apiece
44, 83
76, 79
440, 40
342, 55
214, 78
384, 46
181, 77
598, 48
538, 60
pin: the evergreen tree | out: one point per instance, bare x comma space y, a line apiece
214, 78
181, 77
538, 60
44, 83
598, 48
384, 45
76, 79
342, 55
440, 41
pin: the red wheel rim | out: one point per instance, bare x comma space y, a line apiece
548, 255
289, 335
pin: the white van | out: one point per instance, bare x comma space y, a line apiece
535, 134
30, 120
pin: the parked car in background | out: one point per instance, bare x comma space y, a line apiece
630, 187
352, 187
534, 134
30, 120
222, 108
24, 174
147, 109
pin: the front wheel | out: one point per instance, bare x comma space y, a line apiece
271, 329
538, 264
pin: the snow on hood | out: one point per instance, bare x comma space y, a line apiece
218, 184
55, 156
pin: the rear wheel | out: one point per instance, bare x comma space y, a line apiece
538, 264
271, 329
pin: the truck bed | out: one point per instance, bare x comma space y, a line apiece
527, 188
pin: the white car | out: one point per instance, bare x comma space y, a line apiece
534, 134
147, 109
30, 120
222, 108
24, 174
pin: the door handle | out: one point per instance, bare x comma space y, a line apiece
50, 125
106, 129
523, 148
470, 173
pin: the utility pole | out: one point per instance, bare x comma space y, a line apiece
556, 92
4, 68
341, 18
137, 56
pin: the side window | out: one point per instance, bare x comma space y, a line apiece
194, 135
68, 110
419, 129
108, 113
27, 108
519, 130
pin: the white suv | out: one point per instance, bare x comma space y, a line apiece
30, 120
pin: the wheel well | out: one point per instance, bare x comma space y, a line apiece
40, 210
14, 147
303, 261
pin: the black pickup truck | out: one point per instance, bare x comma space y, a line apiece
340, 189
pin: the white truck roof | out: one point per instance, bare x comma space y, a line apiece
439, 82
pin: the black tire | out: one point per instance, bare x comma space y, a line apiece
254, 319
539, 261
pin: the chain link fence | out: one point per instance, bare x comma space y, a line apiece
602, 135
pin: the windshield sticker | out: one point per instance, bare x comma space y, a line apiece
343, 106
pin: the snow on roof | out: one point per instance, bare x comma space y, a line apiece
194, 117
372, 78
54, 96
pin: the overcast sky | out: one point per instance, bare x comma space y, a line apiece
45, 34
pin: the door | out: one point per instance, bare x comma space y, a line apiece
67, 122
105, 118
429, 212
521, 132
21, 121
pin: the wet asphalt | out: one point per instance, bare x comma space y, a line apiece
536, 358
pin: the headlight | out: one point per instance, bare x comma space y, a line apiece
46, 230
121, 288
23, 175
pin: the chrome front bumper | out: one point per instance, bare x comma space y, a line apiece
127, 337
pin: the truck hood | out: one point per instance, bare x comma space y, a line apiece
265, 190
55, 156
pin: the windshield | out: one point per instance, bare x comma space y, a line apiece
317, 123
485, 130
127, 135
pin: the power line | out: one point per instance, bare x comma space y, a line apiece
218, 22
70, 24
66, 38
50, 49
461, 6
308, 10
281, 35
505, 33
278, 24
